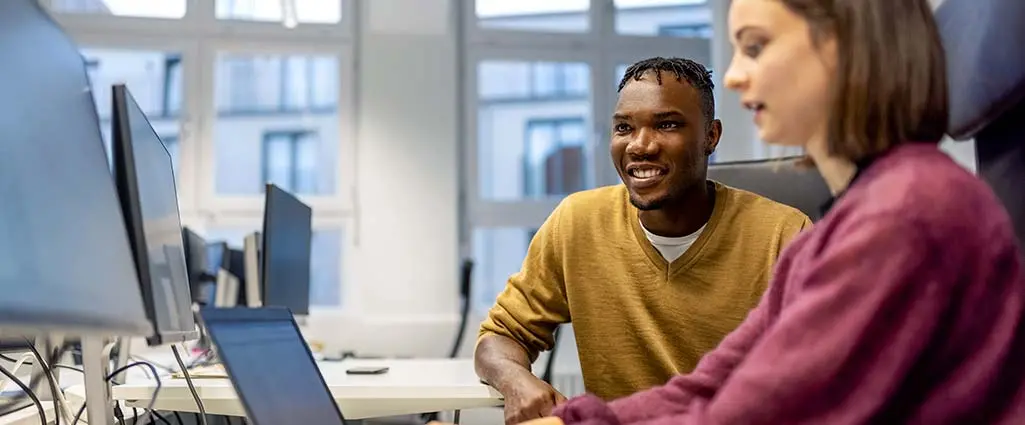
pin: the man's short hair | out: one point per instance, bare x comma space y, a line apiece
687, 70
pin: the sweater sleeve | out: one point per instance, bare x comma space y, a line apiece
856, 318
533, 302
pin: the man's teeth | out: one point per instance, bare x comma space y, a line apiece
646, 173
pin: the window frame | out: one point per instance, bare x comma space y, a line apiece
341, 202
197, 38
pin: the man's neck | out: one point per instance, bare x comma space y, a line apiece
683, 217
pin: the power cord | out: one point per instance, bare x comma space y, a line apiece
31, 395
188, 380
153, 398
60, 405
14, 403
12, 359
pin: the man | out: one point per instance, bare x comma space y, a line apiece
654, 272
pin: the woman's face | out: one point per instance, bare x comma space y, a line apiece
780, 72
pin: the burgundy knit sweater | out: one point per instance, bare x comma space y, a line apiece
904, 304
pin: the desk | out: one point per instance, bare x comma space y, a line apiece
411, 386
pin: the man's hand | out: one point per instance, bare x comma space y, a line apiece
529, 398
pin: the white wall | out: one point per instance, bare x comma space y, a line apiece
402, 276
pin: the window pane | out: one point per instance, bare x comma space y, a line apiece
672, 18
306, 11
153, 78
171, 9
278, 160
498, 253
325, 260
534, 15
256, 102
524, 146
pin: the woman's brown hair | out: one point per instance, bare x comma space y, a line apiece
891, 81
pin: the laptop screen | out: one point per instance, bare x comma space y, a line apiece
270, 366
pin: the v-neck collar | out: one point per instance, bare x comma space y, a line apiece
690, 256
861, 166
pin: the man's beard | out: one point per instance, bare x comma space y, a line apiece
652, 205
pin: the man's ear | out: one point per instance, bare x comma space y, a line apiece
712, 136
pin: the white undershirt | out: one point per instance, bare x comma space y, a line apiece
672, 248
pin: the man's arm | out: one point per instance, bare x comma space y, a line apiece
522, 324
840, 349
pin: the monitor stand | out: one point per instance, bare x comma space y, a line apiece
95, 364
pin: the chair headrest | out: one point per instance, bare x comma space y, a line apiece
985, 47
777, 179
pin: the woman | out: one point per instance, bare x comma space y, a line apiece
905, 303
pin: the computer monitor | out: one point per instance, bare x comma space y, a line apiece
65, 261
149, 203
270, 366
287, 234
196, 264
237, 268
217, 258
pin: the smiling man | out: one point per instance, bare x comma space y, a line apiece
653, 272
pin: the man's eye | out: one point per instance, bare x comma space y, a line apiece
621, 128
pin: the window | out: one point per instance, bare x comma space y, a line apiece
289, 160
673, 18
520, 134
545, 75
290, 12
259, 95
499, 252
554, 159
534, 15
325, 259
172, 85
171, 9
154, 85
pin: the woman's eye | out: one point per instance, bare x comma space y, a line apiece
753, 50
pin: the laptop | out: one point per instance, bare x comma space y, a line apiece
270, 366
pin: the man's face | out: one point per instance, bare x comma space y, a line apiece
660, 140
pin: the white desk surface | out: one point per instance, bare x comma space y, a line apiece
410, 386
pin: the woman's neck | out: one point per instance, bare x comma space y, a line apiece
836, 171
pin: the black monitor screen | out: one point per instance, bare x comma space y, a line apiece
196, 263
287, 234
270, 366
150, 202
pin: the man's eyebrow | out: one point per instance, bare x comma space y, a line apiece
620, 117
667, 114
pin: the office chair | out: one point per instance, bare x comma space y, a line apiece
465, 283
777, 179
986, 79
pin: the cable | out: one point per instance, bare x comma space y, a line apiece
32, 395
11, 359
161, 417
14, 403
57, 393
188, 380
153, 398
179, 417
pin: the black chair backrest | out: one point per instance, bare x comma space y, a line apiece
777, 179
984, 42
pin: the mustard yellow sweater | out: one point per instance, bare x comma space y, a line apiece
639, 320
